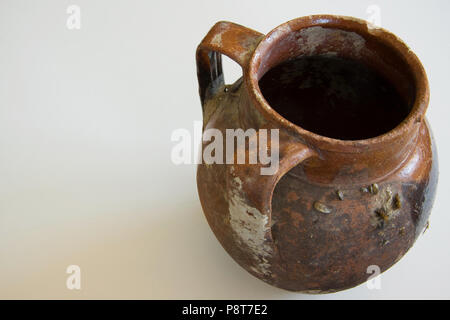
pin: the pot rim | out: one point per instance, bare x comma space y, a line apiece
363, 28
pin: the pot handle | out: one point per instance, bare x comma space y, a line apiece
255, 188
233, 40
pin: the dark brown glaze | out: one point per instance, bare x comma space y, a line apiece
334, 207
331, 251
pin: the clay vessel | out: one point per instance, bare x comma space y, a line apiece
335, 207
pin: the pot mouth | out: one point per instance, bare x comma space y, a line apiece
347, 37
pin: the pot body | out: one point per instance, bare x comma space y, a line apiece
330, 216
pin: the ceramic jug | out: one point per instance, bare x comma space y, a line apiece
334, 208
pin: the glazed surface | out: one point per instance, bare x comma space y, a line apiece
334, 207
320, 237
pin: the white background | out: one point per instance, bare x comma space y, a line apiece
85, 171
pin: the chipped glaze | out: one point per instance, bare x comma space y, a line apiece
250, 227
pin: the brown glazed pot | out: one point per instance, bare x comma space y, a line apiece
334, 207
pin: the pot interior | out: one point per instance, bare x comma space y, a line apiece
337, 83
